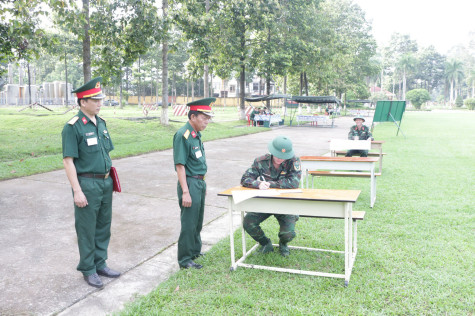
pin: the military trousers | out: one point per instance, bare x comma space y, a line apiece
252, 226
361, 153
93, 224
189, 242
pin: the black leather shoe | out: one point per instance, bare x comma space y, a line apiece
94, 280
200, 255
107, 272
192, 264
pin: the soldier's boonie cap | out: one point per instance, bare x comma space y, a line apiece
91, 89
359, 117
281, 147
202, 105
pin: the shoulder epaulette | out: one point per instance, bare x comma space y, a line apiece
186, 134
101, 118
73, 120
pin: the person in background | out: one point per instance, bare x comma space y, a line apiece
359, 132
278, 169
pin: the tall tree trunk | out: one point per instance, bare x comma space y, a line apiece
301, 83
242, 93
305, 82
86, 43
164, 115
66, 74
139, 86
404, 84
192, 90
285, 84
268, 90
121, 105
29, 83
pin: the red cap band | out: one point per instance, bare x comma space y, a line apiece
205, 108
88, 93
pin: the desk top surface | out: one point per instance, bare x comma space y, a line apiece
306, 194
342, 159
377, 142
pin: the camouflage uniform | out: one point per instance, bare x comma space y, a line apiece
363, 134
286, 177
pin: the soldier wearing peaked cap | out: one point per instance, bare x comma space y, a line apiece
86, 147
359, 132
190, 165
279, 169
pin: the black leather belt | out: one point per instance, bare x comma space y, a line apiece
201, 177
94, 175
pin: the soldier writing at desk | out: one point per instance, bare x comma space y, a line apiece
279, 169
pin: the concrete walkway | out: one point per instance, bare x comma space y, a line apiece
38, 249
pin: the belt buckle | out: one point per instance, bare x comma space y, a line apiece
106, 176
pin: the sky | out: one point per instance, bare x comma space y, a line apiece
441, 23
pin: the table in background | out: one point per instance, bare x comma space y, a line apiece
314, 164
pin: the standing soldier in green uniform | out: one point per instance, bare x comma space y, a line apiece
279, 169
359, 132
86, 147
190, 165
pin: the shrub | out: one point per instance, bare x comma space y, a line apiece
470, 103
417, 97
459, 101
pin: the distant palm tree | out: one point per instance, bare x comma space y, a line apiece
405, 65
453, 74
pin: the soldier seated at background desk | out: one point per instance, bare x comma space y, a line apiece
279, 169
252, 115
359, 132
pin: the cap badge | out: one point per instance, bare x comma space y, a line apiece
98, 85
283, 150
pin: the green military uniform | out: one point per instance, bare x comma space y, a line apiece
252, 116
89, 146
286, 177
188, 150
362, 134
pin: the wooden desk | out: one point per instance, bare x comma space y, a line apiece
314, 163
312, 203
375, 144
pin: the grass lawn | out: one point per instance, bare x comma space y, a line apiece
416, 247
31, 139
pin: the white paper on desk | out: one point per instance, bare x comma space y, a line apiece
242, 195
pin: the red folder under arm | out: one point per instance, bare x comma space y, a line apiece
115, 180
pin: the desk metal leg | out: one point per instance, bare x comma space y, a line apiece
381, 160
373, 187
231, 234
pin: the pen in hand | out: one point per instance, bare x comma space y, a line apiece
264, 185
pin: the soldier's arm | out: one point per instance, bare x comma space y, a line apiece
186, 198
79, 198
250, 177
350, 134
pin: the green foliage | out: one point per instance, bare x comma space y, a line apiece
417, 97
470, 103
459, 101
20, 35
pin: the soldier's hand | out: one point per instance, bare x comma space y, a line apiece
186, 199
264, 185
80, 199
